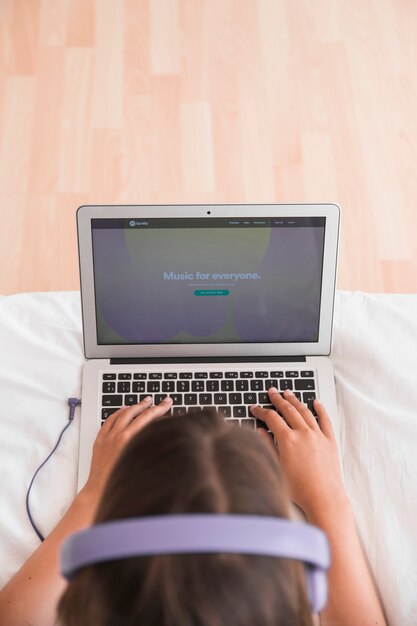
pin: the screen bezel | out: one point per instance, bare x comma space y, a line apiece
331, 242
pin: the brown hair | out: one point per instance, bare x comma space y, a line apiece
193, 463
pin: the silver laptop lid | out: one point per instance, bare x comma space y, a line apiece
207, 280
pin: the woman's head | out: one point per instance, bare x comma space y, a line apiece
194, 463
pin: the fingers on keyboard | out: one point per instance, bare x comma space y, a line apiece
230, 393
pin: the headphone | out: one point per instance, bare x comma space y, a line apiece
204, 533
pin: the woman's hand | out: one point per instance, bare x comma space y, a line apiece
307, 451
116, 432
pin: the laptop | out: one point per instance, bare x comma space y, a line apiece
210, 304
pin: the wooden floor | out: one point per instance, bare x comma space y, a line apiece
170, 101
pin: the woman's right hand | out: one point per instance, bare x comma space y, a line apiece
307, 451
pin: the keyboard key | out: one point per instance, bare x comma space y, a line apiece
231, 375
227, 385
170, 375
263, 398
220, 398
261, 424
168, 386
153, 386
138, 387
308, 399
307, 374
286, 384
124, 376
123, 387
179, 410
131, 399
157, 399
239, 411
105, 413
246, 374
292, 374
109, 387
139, 376
185, 375
235, 398
197, 385
212, 385
233, 422
226, 411
183, 386
155, 376
257, 385
205, 398
190, 398
249, 398
242, 385
308, 396
297, 395
261, 374
277, 374
216, 374
109, 376
310, 406
248, 423
305, 384
201, 375
271, 382
112, 401
176, 398
143, 396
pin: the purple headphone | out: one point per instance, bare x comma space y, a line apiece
204, 533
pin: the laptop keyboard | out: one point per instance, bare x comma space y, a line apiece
230, 392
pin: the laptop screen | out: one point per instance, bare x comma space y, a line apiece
207, 280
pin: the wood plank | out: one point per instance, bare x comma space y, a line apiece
16, 134
22, 38
75, 145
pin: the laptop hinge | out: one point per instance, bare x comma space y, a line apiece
211, 359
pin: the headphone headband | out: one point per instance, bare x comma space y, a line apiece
203, 533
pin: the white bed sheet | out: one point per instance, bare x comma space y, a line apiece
374, 355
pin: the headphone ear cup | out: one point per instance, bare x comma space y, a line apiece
316, 588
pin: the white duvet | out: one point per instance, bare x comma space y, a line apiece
374, 356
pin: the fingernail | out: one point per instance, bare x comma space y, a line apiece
148, 398
167, 399
273, 389
289, 392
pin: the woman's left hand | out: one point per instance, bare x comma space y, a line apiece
114, 435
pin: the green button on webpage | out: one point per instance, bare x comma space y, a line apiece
211, 292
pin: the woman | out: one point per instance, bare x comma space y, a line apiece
197, 463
